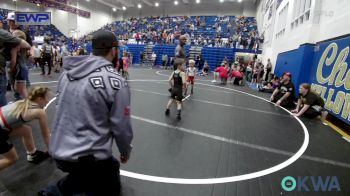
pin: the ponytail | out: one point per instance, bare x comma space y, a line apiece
21, 108
33, 94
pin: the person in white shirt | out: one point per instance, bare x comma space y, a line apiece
37, 56
191, 72
154, 57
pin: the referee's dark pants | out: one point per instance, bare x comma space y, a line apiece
90, 177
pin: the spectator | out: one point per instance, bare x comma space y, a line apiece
154, 57
268, 70
22, 71
164, 60
47, 54
223, 73
37, 56
236, 76
206, 69
309, 104
200, 62
122, 48
249, 72
12, 27
126, 65
64, 53
284, 94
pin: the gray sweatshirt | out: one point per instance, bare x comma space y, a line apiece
93, 109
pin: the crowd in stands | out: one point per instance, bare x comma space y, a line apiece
212, 31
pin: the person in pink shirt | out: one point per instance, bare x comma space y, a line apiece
125, 65
236, 76
223, 73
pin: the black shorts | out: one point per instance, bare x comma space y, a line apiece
177, 94
5, 146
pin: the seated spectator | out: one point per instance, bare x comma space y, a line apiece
309, 104
270, 86
205, 69
284, 94
275, 82
236, 76
223, 73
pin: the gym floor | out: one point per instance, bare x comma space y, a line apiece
226, 132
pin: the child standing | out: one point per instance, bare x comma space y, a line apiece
125, 65
191, 73
178, 81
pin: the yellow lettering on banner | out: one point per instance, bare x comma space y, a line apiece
339, 69
346, 109
329, 103
328, 60
338, 102
323, 91
340, 74
313, 87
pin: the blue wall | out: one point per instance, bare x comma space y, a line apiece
329, 76
298, 62
213, 56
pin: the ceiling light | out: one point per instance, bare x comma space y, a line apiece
221, 1
139, 6
176, 2
124, 8
198, 1
156, 4
114, 9
38, 4
239, 0
88, 0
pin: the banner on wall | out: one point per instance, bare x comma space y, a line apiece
331, 77
33, 18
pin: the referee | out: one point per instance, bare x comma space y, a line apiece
93, 110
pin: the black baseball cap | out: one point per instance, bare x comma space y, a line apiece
103, 39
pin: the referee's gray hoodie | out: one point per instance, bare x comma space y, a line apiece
93, 109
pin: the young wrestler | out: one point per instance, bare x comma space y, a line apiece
191, 72
12, 122
177, 81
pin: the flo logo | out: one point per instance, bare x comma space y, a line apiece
310, 183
